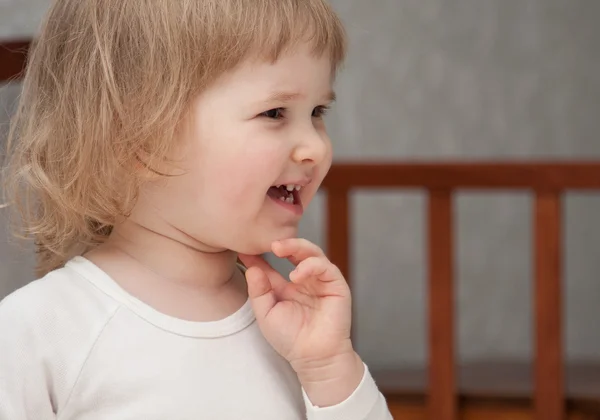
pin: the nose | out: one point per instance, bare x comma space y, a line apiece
313, 147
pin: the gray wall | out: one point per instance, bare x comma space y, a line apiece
16, 256
464, 79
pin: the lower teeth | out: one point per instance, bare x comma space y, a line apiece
288, 199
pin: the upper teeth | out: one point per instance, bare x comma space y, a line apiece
292, 187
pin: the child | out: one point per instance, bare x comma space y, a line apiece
157, 142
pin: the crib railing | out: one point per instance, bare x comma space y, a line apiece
547, 182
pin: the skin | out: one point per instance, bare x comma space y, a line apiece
259, 125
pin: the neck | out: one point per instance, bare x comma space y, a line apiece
172, 272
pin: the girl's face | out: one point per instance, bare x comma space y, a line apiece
259, 127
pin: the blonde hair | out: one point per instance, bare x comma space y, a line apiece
108, 83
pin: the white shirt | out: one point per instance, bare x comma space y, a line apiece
74, 345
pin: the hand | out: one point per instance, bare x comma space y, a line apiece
307, 320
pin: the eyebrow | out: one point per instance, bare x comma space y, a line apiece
287, 97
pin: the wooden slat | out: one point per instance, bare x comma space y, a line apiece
338, 230
13, 56
549, 381
466, 175
338, 234
442, 381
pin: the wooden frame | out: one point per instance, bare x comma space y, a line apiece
547, 181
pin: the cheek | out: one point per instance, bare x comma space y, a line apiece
236, 168
324, 166
237, 183
320, 172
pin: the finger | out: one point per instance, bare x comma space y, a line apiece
296, 250
260, 292
276, 279
318, 267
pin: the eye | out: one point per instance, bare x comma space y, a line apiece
320, 111
274, 114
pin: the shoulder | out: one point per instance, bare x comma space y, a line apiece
47, 330
62, 302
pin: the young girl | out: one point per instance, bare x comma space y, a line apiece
157, 142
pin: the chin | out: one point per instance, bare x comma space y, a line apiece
287, 233
263, 244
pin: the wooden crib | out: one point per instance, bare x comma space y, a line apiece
551, 391
497, 390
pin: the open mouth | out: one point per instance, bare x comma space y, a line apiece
287, 193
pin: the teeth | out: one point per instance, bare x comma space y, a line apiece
292, 187
287, 199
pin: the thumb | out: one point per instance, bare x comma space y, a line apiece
260, 292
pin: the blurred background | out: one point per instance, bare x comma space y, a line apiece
444, 80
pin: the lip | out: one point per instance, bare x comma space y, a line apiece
296, 209
302, 182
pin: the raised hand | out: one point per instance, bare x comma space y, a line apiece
307, 320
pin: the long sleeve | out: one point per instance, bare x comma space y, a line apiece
365, 403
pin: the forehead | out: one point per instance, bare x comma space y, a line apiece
295, 74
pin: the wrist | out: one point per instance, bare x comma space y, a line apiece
330, 381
